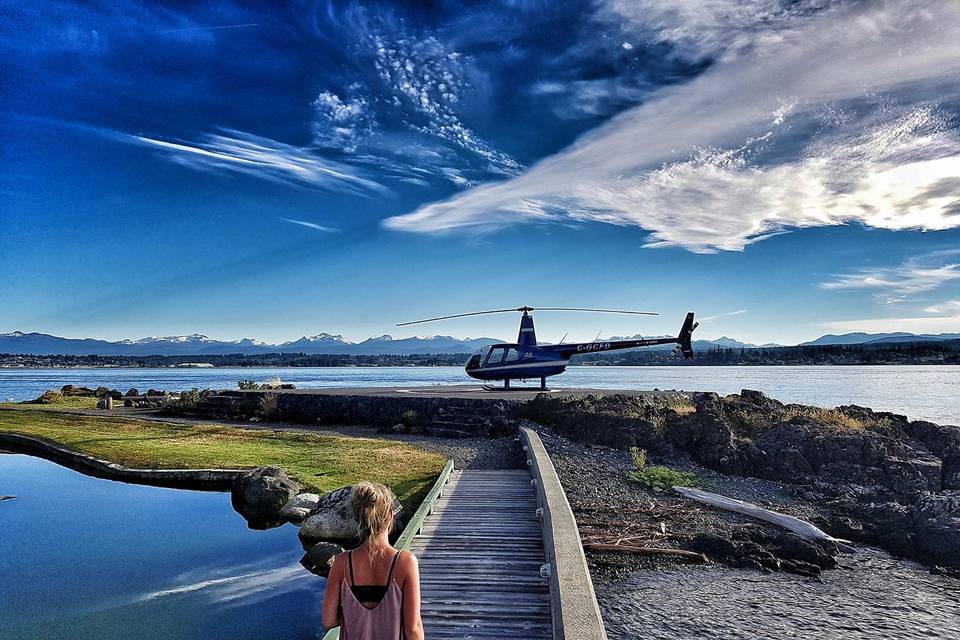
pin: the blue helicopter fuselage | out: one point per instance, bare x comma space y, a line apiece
527, 360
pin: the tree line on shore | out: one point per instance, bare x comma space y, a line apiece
902, 353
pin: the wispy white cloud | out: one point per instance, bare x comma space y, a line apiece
311, 225
341, 123
261, 157
949, 306
428, 78
246, 587
831, 122
894, 283
246, 25
738, 312
403, 114
707, 28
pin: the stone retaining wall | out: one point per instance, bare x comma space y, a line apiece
438, 415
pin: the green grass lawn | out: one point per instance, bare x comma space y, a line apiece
320, 463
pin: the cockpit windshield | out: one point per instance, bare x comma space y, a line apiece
477, 358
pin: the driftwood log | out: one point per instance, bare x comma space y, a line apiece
796, 525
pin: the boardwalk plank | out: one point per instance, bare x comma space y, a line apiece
480, 555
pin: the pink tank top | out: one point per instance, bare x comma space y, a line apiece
382, 622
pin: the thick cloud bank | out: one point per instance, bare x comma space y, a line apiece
841, 116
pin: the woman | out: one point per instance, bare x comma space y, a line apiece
373, 592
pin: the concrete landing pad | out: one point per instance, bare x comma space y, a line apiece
460, 391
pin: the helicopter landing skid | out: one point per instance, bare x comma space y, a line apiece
490, 387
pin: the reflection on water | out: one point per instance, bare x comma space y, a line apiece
871, 595
921, 392
82, 558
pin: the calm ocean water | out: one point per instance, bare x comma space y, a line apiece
83, 558
920, 392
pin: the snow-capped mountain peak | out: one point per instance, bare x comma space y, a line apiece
192, 338
320, 338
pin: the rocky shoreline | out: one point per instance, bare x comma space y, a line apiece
874, 477
869, 477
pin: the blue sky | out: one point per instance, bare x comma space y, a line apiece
785, 169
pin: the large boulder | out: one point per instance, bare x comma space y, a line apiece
49, 397
319, 558
937, 529
768, 549
613, 420
71, 390
259, 495
944, 442
300, 506
801, 448
938, 541
707, 435
332, 519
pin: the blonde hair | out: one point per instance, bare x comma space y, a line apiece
372, 505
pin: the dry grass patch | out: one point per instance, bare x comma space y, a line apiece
827, 417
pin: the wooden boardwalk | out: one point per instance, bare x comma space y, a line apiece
480, 553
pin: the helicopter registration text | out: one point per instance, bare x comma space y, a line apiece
593, 346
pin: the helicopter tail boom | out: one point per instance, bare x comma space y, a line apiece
683, 342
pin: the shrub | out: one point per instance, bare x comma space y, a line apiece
408, 418
188, 400
662, 478
247, 385
658, 478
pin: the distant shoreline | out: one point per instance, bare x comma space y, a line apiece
940, 352
931, 352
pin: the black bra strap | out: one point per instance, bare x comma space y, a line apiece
392, 565
350, 560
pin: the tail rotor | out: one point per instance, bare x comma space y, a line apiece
684, 340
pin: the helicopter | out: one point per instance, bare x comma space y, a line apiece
526, 359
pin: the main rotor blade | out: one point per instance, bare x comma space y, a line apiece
638, 313
458, 315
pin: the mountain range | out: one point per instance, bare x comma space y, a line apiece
880, 338
21, 343
197, 344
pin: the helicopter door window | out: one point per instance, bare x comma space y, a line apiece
512, 355
496, 355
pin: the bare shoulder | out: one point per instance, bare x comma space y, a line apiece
338, 564
407, 563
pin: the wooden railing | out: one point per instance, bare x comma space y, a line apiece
413, 525
573, 604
